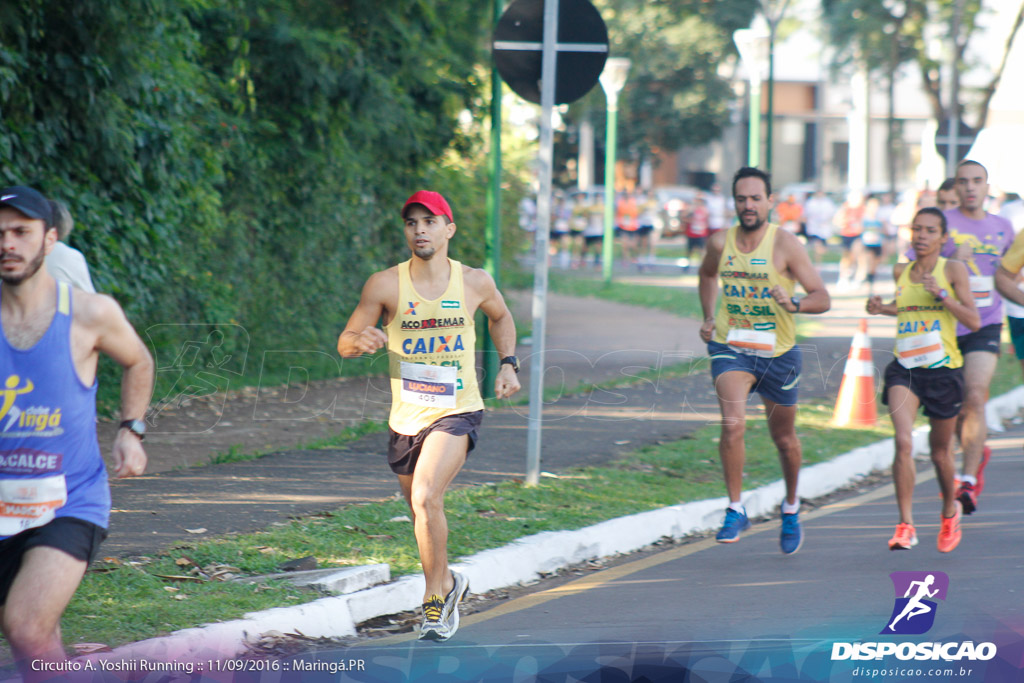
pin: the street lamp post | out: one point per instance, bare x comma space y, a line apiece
613, 79
752, 44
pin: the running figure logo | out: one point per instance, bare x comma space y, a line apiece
914, 612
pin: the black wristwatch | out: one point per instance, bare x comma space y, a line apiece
511, 360
796, 302
136, 427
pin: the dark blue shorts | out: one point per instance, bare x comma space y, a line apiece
776, 379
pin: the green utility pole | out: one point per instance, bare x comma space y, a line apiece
492, 259
611, 140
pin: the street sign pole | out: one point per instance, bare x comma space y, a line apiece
527, 52
540, 276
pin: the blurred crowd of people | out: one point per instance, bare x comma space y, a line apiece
867, 229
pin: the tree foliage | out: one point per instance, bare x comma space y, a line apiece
674, 95
243, 161
864, 30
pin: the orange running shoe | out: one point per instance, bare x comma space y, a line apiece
905, 537
949, 531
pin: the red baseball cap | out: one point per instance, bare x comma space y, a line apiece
432, 202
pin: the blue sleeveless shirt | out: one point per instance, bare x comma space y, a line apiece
48, 444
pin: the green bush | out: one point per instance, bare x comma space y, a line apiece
235, 168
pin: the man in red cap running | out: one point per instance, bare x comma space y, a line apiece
427, 306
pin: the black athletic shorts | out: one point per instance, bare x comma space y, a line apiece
78, 538
404, 451
940, 390
985, 339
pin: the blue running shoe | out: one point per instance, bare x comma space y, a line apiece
735, 524
792, 535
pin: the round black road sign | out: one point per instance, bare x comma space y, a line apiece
581, 50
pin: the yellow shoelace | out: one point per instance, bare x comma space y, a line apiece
432, 608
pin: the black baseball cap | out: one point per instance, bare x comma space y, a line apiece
27, 201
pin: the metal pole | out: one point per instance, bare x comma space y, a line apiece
754, 134
953, 150
540, 273
492, 259
771, 97
610, 138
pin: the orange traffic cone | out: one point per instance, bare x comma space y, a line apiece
855, 406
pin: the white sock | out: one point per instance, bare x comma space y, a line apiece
790, 509
738, 507
968, 479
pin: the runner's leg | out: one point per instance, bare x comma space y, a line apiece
732, 388
940, 441
903, 406
979, 367
782, 427
41, 591
441, 458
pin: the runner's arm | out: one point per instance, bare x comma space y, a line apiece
962, 305
361, 334
875, 306
1006, 284
502, 329
1009, 269
799, 264
117, 338
707, 282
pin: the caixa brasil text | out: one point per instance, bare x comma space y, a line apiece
949, 652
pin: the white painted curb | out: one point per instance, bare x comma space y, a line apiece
521, 561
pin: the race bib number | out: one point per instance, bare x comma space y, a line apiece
752, 342
29, 503
429, 385
981, 288
921, 351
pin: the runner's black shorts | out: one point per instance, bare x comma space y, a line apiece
78, 538
985, 339
404, 451
940, 390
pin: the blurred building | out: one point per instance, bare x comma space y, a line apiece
831, 125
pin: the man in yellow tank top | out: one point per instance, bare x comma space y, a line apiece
932, 295
751, 341
427, 305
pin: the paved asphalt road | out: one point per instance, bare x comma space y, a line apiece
723, 613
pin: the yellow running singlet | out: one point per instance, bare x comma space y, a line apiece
748, 319
431, 355
925, 328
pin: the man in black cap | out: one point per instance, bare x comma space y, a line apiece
54, 496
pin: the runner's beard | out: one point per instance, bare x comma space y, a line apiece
753, 228
31, 269
426, 253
